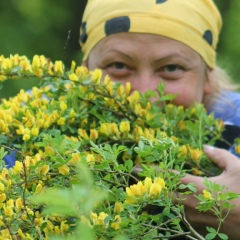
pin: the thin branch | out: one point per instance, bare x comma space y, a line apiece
66, 44
189, 226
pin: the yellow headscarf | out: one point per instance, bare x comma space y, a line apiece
196, 23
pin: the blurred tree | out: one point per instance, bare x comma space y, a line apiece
42, 27
39, 27
229, 46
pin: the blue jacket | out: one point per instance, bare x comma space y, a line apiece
227, 108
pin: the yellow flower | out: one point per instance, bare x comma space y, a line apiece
63, 106
117, 222
93, 217
61, 121
36, 62
38, 72
64, 227
90, 158
8, 212
182, 125
195, 154
93, 134
183, 150
17, 167
5, 234
73, 65
19, 203
104, 129
196, 171
57, 230
20, 130
38, 221
83, 134
147, 183
120, 90
43, 61
58, 67
124, 126
20, 233
6, 64
64, 170
25, 64
136, 190
44, 169
96, 76
39, 187
10, 203
75, 159
35, 131
101, 218
73, 77
2, 77
155, 190
160, 181
72, 113
207, 195
26, 137
237, 149
134, 97
128, 88
118, 207
2, 187
1, 222
2, 197
49, 225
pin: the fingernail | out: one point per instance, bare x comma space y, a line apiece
208, 148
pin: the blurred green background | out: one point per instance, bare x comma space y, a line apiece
30, 27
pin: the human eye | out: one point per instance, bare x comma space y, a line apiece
171, 68
117, 70
117, 65
171, 72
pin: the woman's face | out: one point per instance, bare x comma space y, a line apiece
145, 59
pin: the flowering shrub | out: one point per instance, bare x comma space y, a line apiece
77, 140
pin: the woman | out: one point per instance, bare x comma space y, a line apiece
143, 41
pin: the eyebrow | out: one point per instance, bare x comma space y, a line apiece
159, 59
119, 52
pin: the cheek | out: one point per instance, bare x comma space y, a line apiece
186, 94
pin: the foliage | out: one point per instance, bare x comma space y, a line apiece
42, 26
78, 139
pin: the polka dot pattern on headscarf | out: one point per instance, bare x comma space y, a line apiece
196, 23
160, 1
117, 25
208, 36
83, 35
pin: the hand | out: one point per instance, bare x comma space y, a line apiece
230, 177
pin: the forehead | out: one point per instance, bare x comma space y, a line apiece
141, 43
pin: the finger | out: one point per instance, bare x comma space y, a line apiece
222, 157
137, 169
198, 181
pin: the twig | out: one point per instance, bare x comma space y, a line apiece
189, 226
65, 47
121, 173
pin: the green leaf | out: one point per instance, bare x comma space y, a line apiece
191, 187
129, 165
210, 236
223, 236
211, 230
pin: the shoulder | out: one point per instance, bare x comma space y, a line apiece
227, 108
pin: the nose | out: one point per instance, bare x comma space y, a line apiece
144, 81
